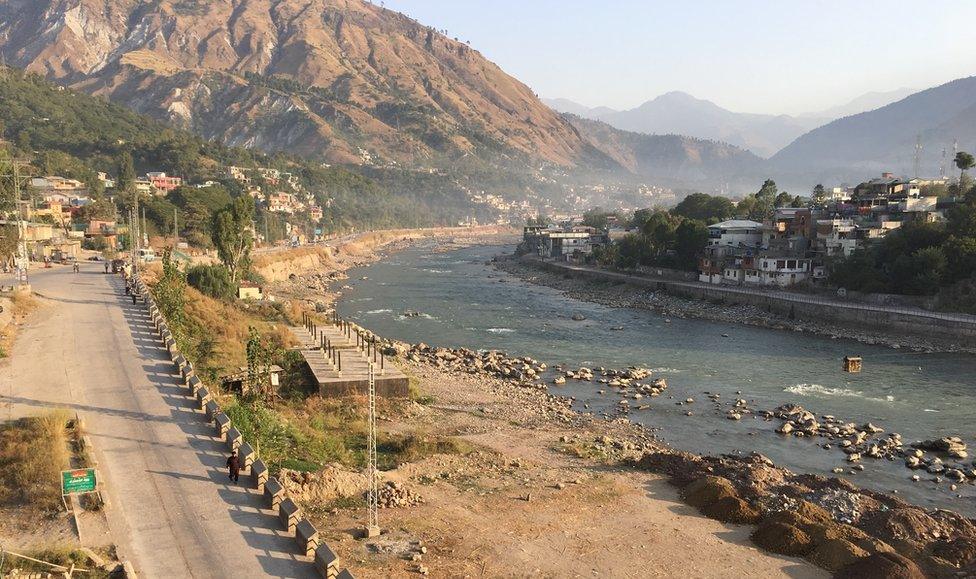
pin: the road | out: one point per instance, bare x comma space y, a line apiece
965, 319
171, 509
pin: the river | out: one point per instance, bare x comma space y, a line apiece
465, 302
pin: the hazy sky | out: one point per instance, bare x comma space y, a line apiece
769, 56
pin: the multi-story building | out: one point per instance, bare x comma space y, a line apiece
162, 183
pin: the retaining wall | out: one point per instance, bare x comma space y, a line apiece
857, 316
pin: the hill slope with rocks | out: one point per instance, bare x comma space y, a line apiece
339, 80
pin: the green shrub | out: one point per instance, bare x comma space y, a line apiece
211, 280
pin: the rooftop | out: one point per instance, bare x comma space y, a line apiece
736, 224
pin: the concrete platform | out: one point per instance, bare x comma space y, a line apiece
354, 377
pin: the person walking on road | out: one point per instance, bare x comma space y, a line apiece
234, 466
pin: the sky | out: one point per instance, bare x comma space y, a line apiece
757, 56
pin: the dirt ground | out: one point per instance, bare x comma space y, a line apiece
536, 498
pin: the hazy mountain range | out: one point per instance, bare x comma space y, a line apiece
346, 81
680, 113
885, 139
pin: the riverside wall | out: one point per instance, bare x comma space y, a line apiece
857, 316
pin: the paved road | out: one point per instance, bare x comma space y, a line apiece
965, 319
172, 511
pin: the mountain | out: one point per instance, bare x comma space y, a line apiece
339, 80
866, 102
680, 113
671, 158
567, 106
868, 143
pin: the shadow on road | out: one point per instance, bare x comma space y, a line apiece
259, 526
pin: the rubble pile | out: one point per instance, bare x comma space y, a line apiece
393, 494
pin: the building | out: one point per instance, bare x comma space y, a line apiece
560, 242
836, 237
780, 271
735, 233
163, 183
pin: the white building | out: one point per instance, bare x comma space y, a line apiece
780, 271
735, 233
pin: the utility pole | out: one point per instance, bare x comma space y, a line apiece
176, 231
18, 184
372, 499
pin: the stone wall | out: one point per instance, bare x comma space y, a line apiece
853, 315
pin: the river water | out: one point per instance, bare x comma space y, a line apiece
465, 302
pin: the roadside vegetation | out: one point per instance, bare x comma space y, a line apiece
21, 304
290, 426
58, 555
33, 452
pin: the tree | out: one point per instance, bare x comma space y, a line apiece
704, 207
658, 232
964, 161
819, 194
169, 293
126, 181
212, 280
784, 199
961, 217
759, 206
598, 218
920, 273
233, 236
689, 241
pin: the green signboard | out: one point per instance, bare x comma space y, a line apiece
76, 481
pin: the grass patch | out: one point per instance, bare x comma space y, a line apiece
415, 394
396, 450
63, 556
21, 305
307, 435
33, 452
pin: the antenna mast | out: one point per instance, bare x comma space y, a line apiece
918, 153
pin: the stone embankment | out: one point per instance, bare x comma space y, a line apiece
357, 249
620, 295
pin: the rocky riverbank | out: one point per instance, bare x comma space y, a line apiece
830, 521
626, 296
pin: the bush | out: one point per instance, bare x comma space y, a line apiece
211, 280
33, 452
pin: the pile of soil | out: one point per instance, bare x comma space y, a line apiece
708, 490
730, 509
330, 483
957, 552
881, 566
835, 554
782, 538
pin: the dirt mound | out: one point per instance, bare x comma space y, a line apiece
707, 490
881, 566
835, 554
731, 510
812, 512
682, 468
957, 552
901, 524
782, 539
330, 483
